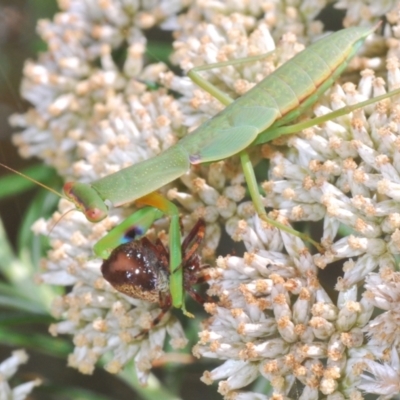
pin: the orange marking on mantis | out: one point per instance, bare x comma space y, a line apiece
155, 200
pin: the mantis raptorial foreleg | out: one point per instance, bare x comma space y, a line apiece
175, 251
140, 268
132, 228
136, 226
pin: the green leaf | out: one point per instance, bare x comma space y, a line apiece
45, 344
68, 392
42, 206
158, 51
13, 319
13, 298
19, 273
152, 391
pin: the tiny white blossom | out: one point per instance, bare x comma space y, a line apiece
382, 378
8, 368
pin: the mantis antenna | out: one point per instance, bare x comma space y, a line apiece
33, 180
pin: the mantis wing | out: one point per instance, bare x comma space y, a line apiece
247, 123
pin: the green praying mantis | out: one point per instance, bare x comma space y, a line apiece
262, 114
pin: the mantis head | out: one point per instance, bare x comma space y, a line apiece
86, 200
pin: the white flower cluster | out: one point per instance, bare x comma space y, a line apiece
8, 368
88, 104
93, 114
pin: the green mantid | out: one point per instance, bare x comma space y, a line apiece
263, 113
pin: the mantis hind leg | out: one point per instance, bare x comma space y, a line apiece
225, 99
259, 207
273, 133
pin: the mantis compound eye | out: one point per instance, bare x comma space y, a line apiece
86, 200
94, 214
